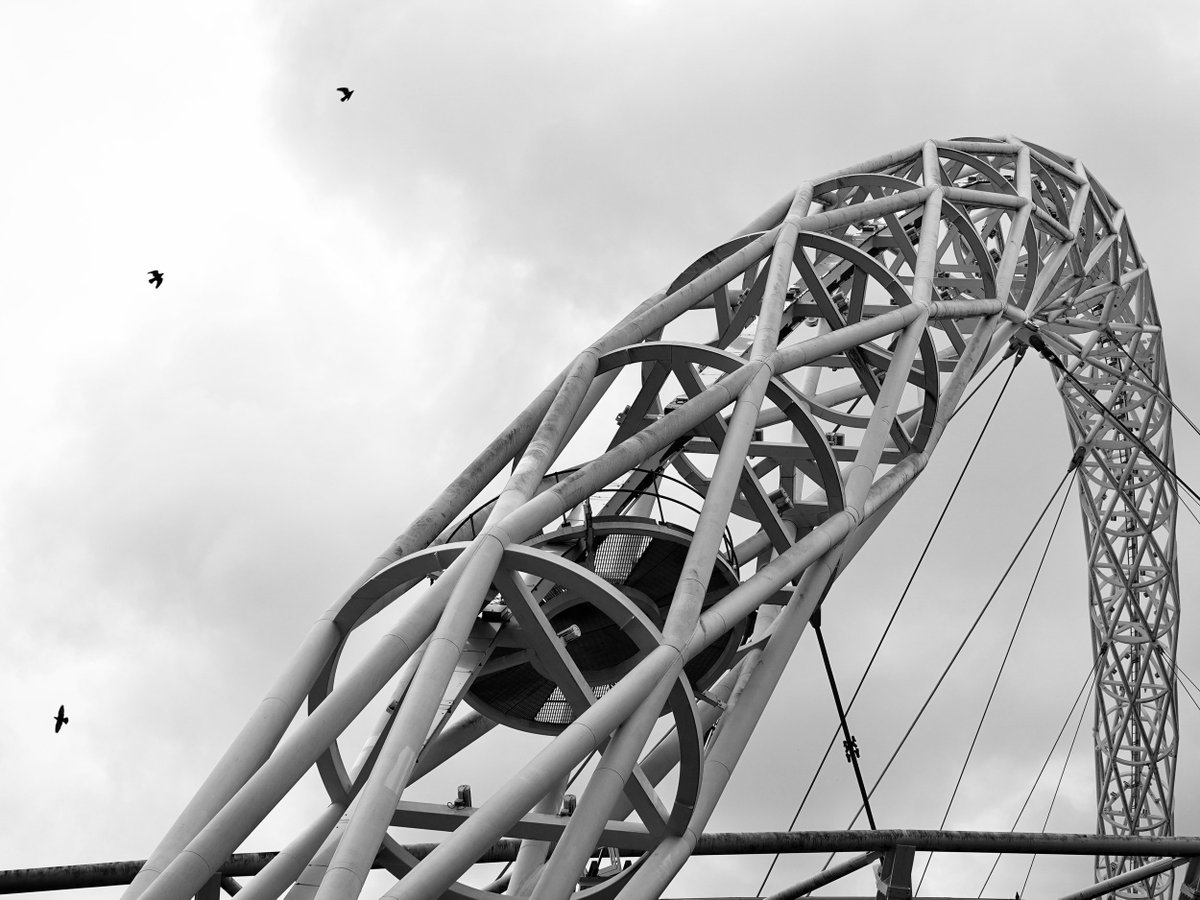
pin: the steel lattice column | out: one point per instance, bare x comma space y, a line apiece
1129, 523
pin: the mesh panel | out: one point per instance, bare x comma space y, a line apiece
643, 562
557, 711
519, 692
616, 555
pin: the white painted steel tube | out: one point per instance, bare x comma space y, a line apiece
249, 750
826, 345
661, 760
861, 473
532, 853
553, 503
192, 867
825, 876
684, 613
738, 722
595, 806
619, 758
548, 440
389, 776
670, 855
585, 734
876, 163
1142, 873
289, 864
263, 731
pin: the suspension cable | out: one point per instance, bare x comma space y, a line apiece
958, 651
1187, 691
1092, 673
1054, 796
1179, 669
903, 595
1153, 381
996, 682
1188, 506
982, 382
1035, 341
1170, 401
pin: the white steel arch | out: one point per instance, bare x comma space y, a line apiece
674, 572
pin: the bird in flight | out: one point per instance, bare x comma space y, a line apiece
155, 278
346, 92
61, 719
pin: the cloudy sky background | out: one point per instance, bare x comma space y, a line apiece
359, 295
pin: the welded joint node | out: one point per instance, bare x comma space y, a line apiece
802, 199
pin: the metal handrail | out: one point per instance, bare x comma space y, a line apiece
729, 552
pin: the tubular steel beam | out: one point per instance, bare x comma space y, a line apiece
826, 876
1148, 873
1062, 844
871, 843
107, 874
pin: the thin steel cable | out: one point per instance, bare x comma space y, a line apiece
966, 637
1038, 344
1184, 684
1188, 506
1153, 381
1000, 672
1188, 692
982, 382
579, 771
1091, 675
903, 595
937, 525
1168, 471
570, 781
1054, 797
1179, 669
838, 426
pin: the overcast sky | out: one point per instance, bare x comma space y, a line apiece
358, 295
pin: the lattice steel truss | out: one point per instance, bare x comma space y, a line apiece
781, 395
1117, 408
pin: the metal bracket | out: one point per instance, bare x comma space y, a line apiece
893, 874
780, 500
1191, 880
1019, 342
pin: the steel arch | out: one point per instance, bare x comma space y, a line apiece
847, 320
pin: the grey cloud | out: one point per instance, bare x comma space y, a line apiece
553, 163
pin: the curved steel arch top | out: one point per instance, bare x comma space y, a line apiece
792, 383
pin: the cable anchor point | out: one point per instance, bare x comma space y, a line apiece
1017, 348
1036, 342
1077, 458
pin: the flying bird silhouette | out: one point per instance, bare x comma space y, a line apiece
155, 278
61, 719
346, 92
